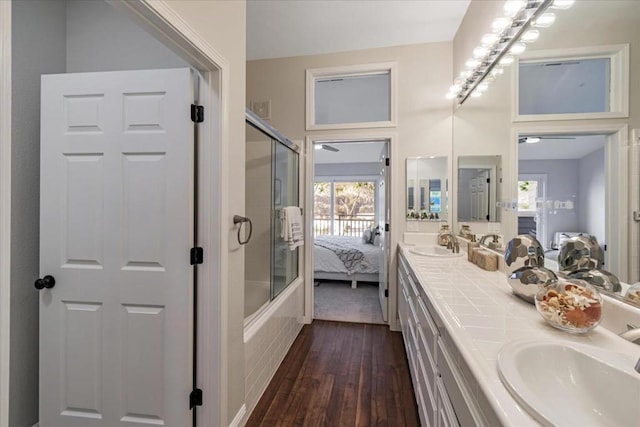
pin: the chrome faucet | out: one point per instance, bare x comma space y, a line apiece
632, 334
484, 238
453, 243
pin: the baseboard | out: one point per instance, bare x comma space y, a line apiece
239, 420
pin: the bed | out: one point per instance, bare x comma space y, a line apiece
327, 263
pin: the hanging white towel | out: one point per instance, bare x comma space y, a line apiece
291, 226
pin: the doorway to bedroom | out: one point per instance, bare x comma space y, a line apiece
350, 216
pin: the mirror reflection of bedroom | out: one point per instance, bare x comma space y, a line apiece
561, 189
350, 252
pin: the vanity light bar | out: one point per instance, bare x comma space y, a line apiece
498, 49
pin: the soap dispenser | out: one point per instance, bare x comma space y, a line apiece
444, 236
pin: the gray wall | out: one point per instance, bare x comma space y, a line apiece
591, 207
562, 184
38, 46
100, 38
347, 169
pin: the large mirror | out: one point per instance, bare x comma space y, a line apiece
478, 188
564, 172
427, 188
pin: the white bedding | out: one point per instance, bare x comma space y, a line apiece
327, 261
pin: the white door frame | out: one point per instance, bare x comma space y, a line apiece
392, 140
158, 18
541, 213
621, 234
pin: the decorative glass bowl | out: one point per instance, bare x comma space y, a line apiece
633, 293
572, 306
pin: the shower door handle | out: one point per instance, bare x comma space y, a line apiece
237, 219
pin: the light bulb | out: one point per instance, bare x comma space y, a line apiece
472, 63
506, 60
476, 94
466, 74
480, 52
531, 140
512, 7
545, 20
455, 88
499, 24
482, 87
530, 36
497, 71
489, 39
518, 48
450, 95
318, 147
562, 4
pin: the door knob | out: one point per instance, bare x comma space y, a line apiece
46, 282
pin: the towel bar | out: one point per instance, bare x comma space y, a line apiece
237, 219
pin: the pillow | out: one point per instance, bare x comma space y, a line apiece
366, 236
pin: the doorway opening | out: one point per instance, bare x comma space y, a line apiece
82, 38
562, 189
350, 230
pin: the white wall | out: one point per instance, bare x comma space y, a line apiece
591, 206
38, 46
99, 38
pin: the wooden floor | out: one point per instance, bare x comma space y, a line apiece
341, 374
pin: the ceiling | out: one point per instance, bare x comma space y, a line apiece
350, 152
561, 149
283, 28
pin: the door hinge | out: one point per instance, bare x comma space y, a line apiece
386, 227
386, 293
197, 113
197, 255
487, 217
387, 162
488, 180
195, 398
605, 247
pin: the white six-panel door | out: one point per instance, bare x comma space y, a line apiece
115, 232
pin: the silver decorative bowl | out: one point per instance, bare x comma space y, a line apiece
523, 251
601, 279
526, 282
580, 253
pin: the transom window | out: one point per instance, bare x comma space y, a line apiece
359, 96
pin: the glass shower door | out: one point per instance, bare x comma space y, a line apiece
284, 173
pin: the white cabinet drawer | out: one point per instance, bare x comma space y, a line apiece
456, 389
446, 415
428, 329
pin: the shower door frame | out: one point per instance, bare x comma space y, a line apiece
359, 136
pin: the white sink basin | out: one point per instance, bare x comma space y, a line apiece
435, 251
567, 384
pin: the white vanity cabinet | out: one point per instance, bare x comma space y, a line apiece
442, 395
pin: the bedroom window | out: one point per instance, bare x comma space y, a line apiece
343, 208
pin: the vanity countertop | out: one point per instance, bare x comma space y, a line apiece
481, 314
